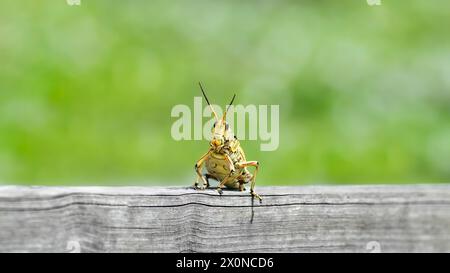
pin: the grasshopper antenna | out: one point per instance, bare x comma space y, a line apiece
207, 101
225, 114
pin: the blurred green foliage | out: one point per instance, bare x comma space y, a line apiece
86, 91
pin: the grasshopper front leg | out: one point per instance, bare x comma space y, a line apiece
198, 167
229, 176
252, 187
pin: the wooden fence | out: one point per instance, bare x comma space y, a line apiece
173, 219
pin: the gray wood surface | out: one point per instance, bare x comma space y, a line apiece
174, 219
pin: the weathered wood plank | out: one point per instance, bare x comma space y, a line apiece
290, 219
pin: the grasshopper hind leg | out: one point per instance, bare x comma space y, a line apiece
254, 164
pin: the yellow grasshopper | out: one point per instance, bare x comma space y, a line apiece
225, 160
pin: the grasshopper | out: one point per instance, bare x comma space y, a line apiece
225, 160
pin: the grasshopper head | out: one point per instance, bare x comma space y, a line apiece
221, 132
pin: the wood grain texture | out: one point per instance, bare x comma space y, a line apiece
290, 219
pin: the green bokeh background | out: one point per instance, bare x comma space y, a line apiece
86, 91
